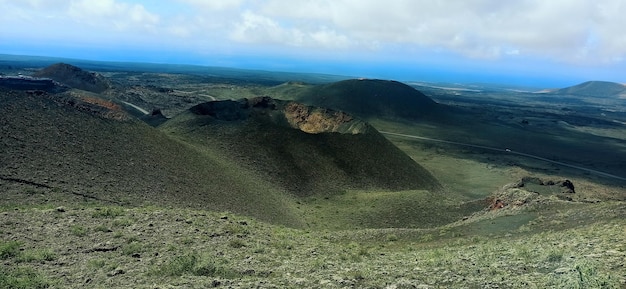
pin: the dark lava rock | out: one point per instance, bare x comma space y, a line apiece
31, 83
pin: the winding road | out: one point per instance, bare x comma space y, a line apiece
136, 107
509, 151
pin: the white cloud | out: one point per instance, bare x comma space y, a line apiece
558, 29
76, 21
259, 29
574, 31
214, 5
112, 14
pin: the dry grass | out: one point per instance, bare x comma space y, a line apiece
193, 248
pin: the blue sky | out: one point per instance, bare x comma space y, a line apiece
544, 43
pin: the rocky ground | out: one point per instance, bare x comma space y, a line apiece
153, 247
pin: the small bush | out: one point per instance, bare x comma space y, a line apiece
192, 264
180, 265
236, 243
236, 229
554, 256
9, 249
37, 256
427, 238
108, 212
79, 231
122, 222
22, 277
102, 228
97, 263
132, 248
392, 237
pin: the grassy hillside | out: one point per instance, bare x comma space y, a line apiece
262, 140
74, 147
269, 194
554, 245
53, 148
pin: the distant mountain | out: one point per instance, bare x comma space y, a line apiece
305, 150
595, 89
75, 77
371, 97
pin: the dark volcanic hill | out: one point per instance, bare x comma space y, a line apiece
75, 77
249, 157
306, 150
595, 89
73, 148
371, 97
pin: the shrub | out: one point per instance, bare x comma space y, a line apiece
9, 249
97, 263
22, 277
122, 222
132, 248
180, 265
192, 264
392, 237
37, 256
102, 228
78, 230
108, 212
236, 243
554, 256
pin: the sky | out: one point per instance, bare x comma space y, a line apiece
541, 43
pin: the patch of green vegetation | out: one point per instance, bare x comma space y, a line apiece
9, 249
13, 250
122, 222
78, 230
108, 212
102, 228
363, 209
22, 278
236, 229
582, 275
499, 225
37, 255
555, 256
132, 248
237, 243
97, 263
194, 264
354, 252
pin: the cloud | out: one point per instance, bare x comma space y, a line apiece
260, 29
579, 31
491, 29
112, 14
216, 5
86, 21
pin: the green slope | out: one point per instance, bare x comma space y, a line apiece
262, 141
52, 147
74, 148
